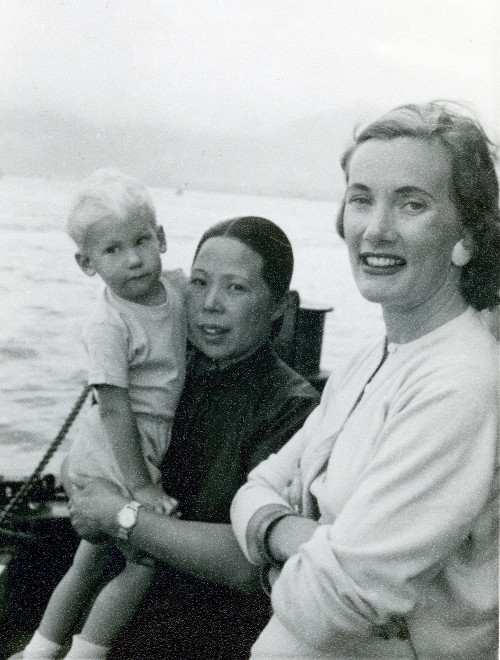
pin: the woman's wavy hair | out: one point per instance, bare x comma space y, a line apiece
474, 184
268, 241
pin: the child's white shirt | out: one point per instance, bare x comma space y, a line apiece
142, 349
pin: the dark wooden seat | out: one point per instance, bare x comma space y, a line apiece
300, 339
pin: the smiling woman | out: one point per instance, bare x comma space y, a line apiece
378, 521
400, 227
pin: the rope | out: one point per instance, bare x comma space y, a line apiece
28, 485
16, 534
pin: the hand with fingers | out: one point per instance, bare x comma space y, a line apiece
94, 506
154, 496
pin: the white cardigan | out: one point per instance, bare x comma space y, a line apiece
406, 489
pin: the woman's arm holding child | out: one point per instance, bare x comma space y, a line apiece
205, 550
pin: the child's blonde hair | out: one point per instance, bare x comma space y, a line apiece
107, 193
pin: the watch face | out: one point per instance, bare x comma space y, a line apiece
126, 517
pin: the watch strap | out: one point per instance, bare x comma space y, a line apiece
124, 532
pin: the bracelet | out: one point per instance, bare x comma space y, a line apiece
265, 540
257, 530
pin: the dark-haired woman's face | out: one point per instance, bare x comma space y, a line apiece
231, 308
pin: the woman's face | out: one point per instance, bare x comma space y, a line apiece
231, 308
400, 223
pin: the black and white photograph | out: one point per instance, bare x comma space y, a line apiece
249, 333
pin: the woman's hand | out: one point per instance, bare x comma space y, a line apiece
154, 496
94, 506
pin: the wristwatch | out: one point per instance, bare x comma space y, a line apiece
127, 518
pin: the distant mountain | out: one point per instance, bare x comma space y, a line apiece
299, 160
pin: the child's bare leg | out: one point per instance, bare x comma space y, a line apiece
72, 594
116, 604
69, 599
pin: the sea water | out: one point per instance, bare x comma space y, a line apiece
46, 298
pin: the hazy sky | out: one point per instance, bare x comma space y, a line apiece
238, 65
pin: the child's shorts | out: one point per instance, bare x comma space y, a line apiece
91, 456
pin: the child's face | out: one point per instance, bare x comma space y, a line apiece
126, 255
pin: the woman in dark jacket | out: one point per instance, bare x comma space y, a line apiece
240, 404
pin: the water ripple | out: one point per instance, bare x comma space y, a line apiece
13, 352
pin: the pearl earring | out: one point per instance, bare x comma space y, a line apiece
460, 255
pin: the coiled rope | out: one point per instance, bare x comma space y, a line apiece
21, 494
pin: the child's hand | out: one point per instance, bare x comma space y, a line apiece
155, 497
